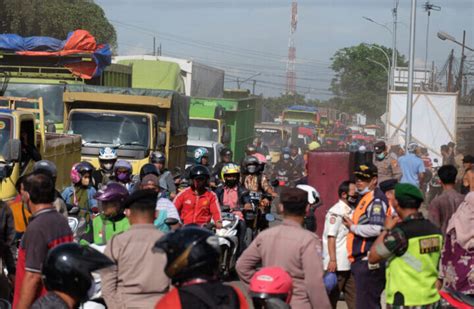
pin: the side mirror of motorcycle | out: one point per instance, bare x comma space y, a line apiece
275, 183
171, 221
73, 210
73, 224
270, 217
225, 208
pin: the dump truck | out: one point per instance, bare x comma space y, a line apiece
133, 121
276, 136
194, 79
223, 121
22, 120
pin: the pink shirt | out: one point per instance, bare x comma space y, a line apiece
230, 197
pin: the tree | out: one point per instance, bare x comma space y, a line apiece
55, 18
360, 84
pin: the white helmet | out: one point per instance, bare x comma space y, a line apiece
313, 194
107, 153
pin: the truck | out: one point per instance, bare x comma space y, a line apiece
133, 121
196, 79
213, 149
42, 76
275, 137
23, 120
301, 115
224, 121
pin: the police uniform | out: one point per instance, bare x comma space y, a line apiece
387, 167
413, 250
368, 218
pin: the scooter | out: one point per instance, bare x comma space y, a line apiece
455, 299
258, 218
228, 242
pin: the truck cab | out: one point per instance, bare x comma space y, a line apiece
213, 148
205, 129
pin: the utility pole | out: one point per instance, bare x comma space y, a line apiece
238, 83
428, 8
411, 69
154, 46
253, 88
461, 65
450, 71
394, 44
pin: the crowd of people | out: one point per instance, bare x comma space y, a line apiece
155, 229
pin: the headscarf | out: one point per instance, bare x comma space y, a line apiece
462, 222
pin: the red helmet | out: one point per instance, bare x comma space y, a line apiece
271, 282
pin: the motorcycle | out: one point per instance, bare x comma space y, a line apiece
257, 218
453, 299
228, 242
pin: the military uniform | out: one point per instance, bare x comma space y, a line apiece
388, 168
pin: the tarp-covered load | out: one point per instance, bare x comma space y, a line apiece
78, 43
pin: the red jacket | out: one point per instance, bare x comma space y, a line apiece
197, 209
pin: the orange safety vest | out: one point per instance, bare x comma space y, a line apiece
358, 212
21, 215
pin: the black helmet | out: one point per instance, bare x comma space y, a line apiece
199, 170
45, 166
148, 169
84, 167
157, 157
191, 252
226, 152
251, 149
253, 161
68, 268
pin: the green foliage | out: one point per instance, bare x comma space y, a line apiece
55, 18
360, 84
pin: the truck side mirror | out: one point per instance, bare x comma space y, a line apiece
51, 128
219, 112
226, 136
160, 139
12, 151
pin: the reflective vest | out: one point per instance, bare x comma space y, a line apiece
411, 277
104, 229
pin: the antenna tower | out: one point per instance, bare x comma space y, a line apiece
291, 64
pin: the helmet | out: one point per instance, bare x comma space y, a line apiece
230, 168
79, 169
271, 282
107, 153
285, 150
147, 169
68, 268
199, 170
124, 165
330, 281
112, 192
226, 152
250, 161
313, 194
157, 157
191, 252
251, 149
412, 147
200, 153
261, 158
313, 146
46, 166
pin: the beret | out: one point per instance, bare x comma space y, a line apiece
379, 147
407, 191
293, 196
142, 197
388, 185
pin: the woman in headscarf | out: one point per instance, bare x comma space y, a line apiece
457, 260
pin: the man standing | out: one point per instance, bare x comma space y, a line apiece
412, 166
412, 245
296, 157
46, 229
386, 163
335, 245
445, 205
468, 177
293, 248
366, 224
138, 279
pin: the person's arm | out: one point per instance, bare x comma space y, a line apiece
471, 180
384, 247
421, 171
378, 251
332, 225
170, 184
313, 279
109, 278
171, 210
10, 236
248, 261
434, 214
215, 210
29, 289
396, 171
332, 265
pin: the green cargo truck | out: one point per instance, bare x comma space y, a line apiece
226, 121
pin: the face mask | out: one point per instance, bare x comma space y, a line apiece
230, 182
252, 169
363, 191
286, 156
108, 166
352, 200
91, 290
381, 156
122, 177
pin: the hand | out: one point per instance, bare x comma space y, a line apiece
439, 284
248, 206
348, 222
12, 279
332, 266
218, 225
265, 202
390, 222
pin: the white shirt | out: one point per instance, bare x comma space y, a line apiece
165, 204
335, 228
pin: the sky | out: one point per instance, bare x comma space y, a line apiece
246, 37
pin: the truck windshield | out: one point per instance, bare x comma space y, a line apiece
293, 117
190, 154
203, 130
5, 131
270, 137
122, 130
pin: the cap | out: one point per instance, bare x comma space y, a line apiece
380, 146
151, 178
366, 171
293, 196
406, 190
313, 146
468, 159
142, 197
412, 147
388, 185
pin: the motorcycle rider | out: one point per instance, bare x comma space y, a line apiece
254, 180
112, 219
271, 287
192, 265
107, 158
313, 202
67, 276
81, 193
201, 157
226, 157
123, 174
197, 204
285, 170
166, 178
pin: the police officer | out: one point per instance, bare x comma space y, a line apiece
387, 164
366, 224
413, 246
